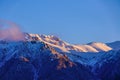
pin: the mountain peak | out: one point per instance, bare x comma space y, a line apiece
100, 46
63, 46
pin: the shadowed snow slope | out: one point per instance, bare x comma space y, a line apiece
114, 45
36, 60
63, 46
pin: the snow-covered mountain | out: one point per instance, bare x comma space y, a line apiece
114, 45
30, 61
63, 46
41, 57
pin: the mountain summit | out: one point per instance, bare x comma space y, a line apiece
63, 46
58, 44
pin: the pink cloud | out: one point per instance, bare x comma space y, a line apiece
12, 33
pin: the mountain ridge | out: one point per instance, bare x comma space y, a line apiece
114, 45
66, 47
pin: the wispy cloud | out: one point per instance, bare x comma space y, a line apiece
12, 32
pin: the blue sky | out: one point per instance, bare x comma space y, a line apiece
75, 21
